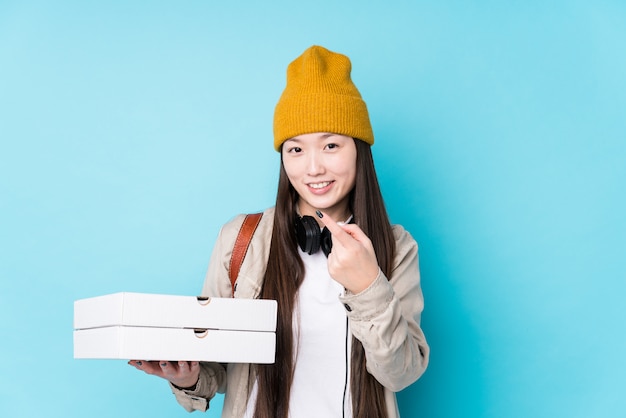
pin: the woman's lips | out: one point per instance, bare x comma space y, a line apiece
319, 187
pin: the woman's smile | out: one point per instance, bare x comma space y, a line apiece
320, 187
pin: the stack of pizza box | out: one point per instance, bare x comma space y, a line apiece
142, 326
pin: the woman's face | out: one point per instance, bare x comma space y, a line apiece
322, 168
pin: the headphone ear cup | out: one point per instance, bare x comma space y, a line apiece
308, 234
326, 241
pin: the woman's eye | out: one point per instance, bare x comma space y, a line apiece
295, 149
332, 146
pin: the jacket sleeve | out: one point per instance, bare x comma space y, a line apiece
212, 376
217, 284
385, 317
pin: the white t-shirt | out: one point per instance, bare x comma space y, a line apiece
321, 381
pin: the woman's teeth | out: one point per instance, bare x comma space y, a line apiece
319, 185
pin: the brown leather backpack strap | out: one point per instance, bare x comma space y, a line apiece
250, 223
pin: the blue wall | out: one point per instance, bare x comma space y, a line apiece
130, 131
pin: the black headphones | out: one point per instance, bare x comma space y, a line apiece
311, 238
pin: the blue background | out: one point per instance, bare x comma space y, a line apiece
131, 131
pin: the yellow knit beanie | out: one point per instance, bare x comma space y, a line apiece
321, 97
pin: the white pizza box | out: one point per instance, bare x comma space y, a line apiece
174, 344
172, 311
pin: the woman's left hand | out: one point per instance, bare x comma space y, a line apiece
352, 261
181, 373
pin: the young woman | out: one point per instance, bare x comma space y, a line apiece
348, 333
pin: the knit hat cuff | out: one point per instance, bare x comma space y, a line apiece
333, 113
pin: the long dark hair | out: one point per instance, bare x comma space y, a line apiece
285, 272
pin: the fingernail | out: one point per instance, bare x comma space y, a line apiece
319, 214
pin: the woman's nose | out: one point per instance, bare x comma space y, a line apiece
315, 164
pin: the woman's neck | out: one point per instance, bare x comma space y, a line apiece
339, 214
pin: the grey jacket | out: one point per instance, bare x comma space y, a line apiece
385, 317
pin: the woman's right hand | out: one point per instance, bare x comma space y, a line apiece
183, 374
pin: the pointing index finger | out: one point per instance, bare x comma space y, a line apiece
335, 229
